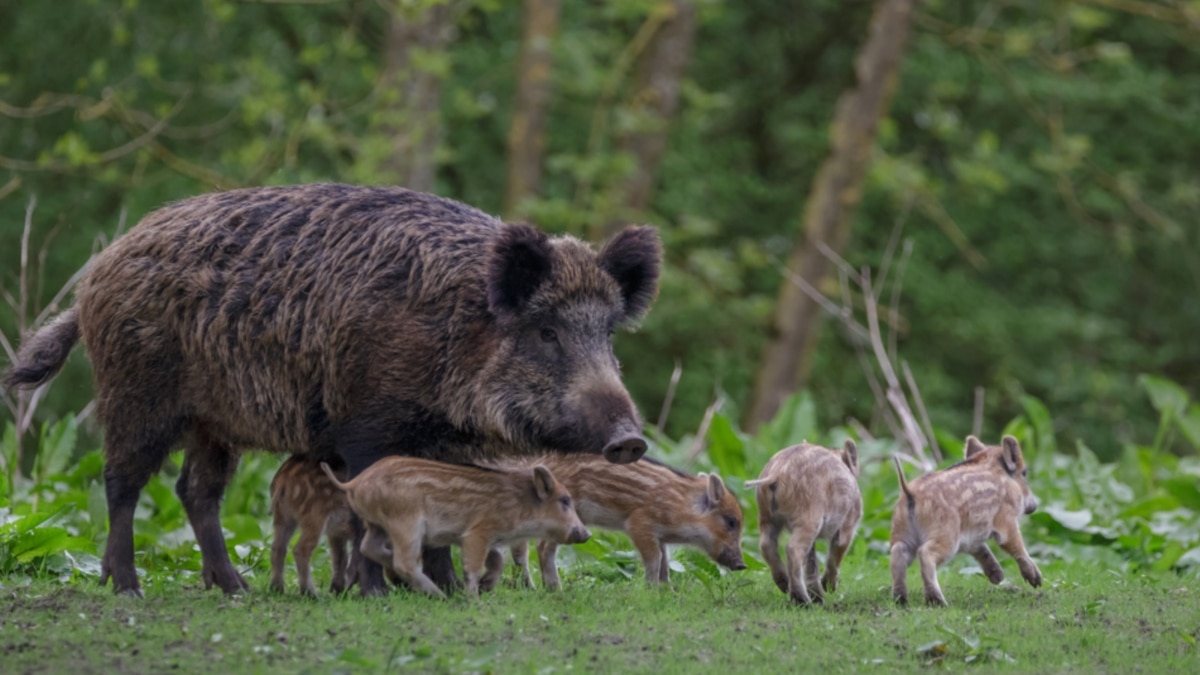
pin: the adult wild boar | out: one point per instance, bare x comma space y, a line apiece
361, 321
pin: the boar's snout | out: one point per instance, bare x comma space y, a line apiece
578, 535
1031, 504
625, 448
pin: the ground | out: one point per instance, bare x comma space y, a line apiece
1083, 619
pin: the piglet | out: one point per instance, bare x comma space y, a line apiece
654, 504
409, 503
811, 491
301, 495
957, 510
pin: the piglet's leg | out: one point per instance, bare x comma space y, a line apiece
837, 550
664, 565
285, 527
647, 545
798, 549
988, 563
768, 543
310, 536
931, 554
1010, 540
493, 570
901, 558
476, 549
520, 556
547, 551
337, 560
406, 559
812, 574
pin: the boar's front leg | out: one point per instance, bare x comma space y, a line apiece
208, 467
664, 565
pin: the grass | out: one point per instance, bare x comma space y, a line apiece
1084, 619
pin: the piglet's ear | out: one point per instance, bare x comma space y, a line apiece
633, 258
520, 262
543, 483
850, 456
974, 447
716, 489
1011, 455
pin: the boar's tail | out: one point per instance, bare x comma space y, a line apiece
329, 472
903, 482
43, 354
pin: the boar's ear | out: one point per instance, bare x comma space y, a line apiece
519, 263
974, 447
1011, 456
850, 456
543, 483
633, 258
716, 489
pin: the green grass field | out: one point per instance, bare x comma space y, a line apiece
1083, 619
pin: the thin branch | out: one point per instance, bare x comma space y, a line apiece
103, 158
10, 187
897, 287
977, 418
670, 397
820, 299
912, 387
894, 239
700, 442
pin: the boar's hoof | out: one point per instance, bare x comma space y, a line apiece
626, 449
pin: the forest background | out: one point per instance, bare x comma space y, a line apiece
1029, 193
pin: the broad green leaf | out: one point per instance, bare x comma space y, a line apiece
1164, 394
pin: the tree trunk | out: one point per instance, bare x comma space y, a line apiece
414, 65
833, 197
527, 132
654, 103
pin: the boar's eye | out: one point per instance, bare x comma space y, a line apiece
566, 502
549, 335
1024, 473
731, 523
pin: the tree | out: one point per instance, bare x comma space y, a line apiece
415, 63
653, 104
833, 196
527, 131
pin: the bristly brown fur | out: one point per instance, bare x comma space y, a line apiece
957, 510
332, 320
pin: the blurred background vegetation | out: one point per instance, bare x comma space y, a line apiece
1033, 183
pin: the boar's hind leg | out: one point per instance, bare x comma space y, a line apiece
208, 467
130, 461
837, 550
493, 570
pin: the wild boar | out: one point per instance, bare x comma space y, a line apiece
408, 503
958, 509
654, 504
812, 492
342, 321
301, 495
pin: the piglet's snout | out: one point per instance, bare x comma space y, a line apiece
578, 535
1031, 504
